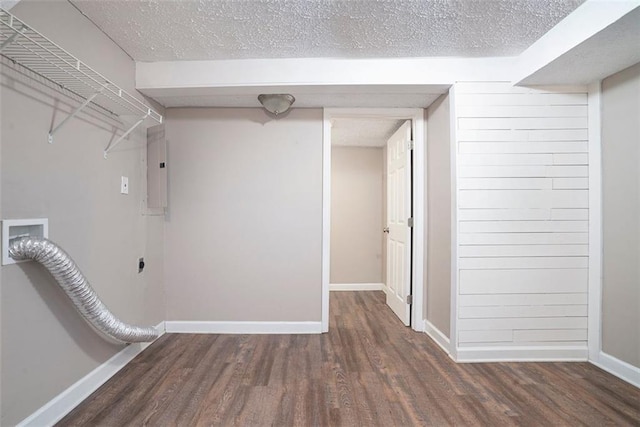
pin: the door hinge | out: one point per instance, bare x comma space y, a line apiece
410, 222
411, 145
409, 299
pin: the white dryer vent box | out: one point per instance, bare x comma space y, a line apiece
16, 228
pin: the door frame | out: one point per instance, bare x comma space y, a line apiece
418, 127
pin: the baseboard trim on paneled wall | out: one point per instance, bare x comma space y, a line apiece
437, 335
197, 327
578, 353
356, 286
619, 368
54, 410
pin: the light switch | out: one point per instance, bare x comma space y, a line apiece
124, 185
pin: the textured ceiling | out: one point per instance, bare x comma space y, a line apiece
363, 132
158, 30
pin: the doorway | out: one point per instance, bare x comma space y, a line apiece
412, 264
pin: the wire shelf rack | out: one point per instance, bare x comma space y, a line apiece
30, 49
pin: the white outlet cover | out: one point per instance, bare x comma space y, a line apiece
124, 185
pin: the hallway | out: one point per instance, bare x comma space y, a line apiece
368, 370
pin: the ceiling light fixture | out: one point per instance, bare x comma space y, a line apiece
276, 103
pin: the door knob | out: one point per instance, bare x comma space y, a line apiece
385, 230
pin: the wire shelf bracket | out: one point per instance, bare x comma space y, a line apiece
72, 115
124, 135
27, 47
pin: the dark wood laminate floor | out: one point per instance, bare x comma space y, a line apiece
368, 370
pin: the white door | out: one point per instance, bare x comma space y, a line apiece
398, 212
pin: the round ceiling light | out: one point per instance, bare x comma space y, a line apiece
276, 103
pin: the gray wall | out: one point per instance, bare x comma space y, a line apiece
621, 215
438, 200
1, 347
356, 215
46, 346
243, 238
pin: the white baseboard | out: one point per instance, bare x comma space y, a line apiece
195, 327
356, 286
162, 328
436, 334
54, 410
619, 368
578, 353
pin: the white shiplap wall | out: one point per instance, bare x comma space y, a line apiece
522, 196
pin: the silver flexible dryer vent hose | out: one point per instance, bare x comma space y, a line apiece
77, 287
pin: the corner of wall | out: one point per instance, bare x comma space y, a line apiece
595, 221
